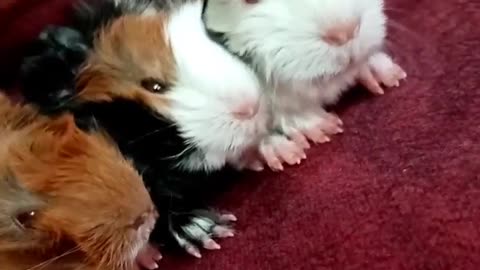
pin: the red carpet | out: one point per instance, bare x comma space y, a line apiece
399, 190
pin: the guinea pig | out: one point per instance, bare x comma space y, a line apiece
308, 52
177, 103
65, 192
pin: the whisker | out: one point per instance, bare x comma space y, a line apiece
395, 10
398, 26
52, 260
150, 133
188, 148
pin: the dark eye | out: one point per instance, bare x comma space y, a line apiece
25, 219
153, 85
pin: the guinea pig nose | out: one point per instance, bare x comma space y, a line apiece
246, 110
341, 33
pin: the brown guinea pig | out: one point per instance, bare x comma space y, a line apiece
64, 191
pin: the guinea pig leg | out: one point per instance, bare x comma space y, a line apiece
381, 70
203, 226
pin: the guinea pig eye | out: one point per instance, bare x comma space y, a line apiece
25, 219
153, 85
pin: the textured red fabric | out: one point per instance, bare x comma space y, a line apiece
399, 190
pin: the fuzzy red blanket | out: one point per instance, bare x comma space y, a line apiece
399, 190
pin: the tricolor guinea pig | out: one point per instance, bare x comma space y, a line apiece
180, 105
308, 52
67, 197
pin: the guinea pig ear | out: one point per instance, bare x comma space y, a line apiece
48, 72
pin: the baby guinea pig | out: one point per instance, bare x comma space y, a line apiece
64, 191
181, 106
308, 52
166, 62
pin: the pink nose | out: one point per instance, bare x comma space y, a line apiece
246, 110
341, 33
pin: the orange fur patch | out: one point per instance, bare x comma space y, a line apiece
131, 49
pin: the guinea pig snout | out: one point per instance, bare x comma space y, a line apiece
341, 33
246, 109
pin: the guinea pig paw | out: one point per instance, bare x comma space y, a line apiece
148, 257
319, 128
277, 149
202, 228
392, 76
381, 70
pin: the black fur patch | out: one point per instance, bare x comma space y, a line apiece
91, 16
141, 134
49, 69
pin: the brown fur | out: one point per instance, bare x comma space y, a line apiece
85, 193
131, 49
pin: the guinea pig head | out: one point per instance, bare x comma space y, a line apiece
300, 40
167, 63
76, 189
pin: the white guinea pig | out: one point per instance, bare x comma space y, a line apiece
308, 52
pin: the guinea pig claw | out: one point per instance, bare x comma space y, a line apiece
290, 152
228, 218
299, 139
210, 244
339, 121
316, 135
256, 165
369, 81
192, 250
223, 232
271, 158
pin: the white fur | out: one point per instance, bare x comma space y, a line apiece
302, 71
210, 83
